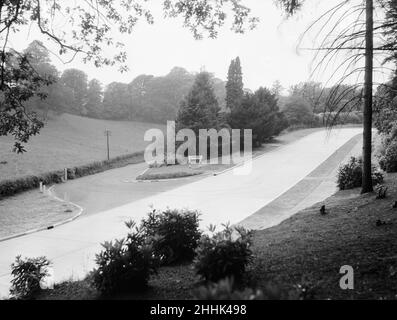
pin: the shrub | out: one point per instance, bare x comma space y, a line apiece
388, 161
352, 117
350, 174
176, 234
225, 254
381, 191
126, 264
27, 275
224, 290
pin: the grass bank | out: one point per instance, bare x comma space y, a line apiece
13, 186
68, 141
32, 210
181, 171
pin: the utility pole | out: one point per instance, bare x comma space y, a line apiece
367, 134
108, 133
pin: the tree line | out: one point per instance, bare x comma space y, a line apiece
158, 99
266, 111
145, 98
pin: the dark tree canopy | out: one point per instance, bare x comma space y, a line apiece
259, 112
200, 108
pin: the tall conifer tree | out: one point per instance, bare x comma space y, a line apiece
234, 85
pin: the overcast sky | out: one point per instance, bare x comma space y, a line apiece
267, 54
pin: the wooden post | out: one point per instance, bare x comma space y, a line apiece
107, 134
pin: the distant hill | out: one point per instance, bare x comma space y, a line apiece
69, 140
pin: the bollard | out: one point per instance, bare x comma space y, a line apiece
66, 174
41, 186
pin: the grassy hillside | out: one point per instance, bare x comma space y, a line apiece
69, 140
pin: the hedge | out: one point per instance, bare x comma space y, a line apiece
14, 186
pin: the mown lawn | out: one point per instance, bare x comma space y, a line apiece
309, 249
32, 210
181, 171
68, 141
305, 251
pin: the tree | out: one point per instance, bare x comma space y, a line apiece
91, 28
157, 99
20, 83
277, 88
274, 121
200, 108
138, 89
39, 59
389, 29
234, 85
312, 93
297, 111
351, 39
37, 54
116, 101
76, 81
385, 109
385, 102
368, 83
94, 98
259, 112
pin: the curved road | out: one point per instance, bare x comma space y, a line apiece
228, 197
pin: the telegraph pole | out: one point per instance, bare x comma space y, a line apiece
108, 133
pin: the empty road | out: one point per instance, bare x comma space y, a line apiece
228, 197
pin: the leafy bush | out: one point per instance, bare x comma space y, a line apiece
388, 161
27, 275
224, 290
126, 264
340, 118
176, 234
225, 254
381, 191
350, 174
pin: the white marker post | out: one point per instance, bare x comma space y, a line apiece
66, 174
41, 186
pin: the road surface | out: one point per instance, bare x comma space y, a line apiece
224, 198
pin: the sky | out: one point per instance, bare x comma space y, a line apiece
267, 54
